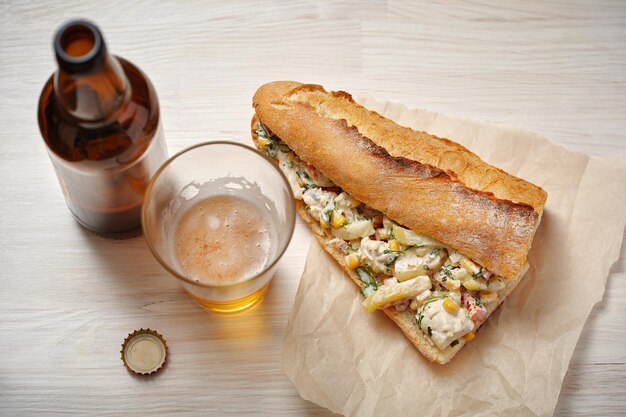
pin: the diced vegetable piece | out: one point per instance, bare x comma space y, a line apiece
324, 222
420, 298
367, 291
390, 281
411, 238
450, 306
352, 260
264, 141
405, 271
354, 230
393, 245
493, 285
411, 263
455, 257
477, 311
471, 284
460, 274
387, 295
488, 296
469, 266
338, 220
382, 234
469, 336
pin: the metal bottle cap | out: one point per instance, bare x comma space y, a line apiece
144, 351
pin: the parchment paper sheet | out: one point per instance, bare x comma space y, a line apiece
360, 364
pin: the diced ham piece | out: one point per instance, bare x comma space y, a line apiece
341, 244
477, 312
487, 274
313, 172
336, 190
378, 221
402, 305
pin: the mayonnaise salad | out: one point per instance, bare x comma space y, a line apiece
448, 293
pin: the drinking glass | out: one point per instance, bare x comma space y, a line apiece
214, 169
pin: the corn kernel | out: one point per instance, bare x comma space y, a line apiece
450, 306
469, 336
355, 203
263, 142
488, 296
338, 220
471, 284
352, 261
469, 266
393, 245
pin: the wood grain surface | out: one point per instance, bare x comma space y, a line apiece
68, 298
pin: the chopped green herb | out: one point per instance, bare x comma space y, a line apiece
308, 186
391, 234
479, 273
434, 252
271, 149
303, 175
366, 277
446, 272
488, 284
419, 318
261, 132
393, 250
426, 267
478, 302
327, 214
433, 299
454, 343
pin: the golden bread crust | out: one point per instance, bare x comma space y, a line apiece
403, 319
422, 193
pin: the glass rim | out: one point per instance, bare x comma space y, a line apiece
157, 174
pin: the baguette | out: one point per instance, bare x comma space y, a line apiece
425, 184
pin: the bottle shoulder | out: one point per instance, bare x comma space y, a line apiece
122, 137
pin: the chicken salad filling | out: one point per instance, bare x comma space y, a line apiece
448, 293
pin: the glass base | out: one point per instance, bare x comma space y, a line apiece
234, 307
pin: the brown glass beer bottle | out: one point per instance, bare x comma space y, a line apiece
99, 116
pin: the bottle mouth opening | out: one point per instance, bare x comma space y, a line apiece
76, 44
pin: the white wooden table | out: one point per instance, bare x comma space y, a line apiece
68, 298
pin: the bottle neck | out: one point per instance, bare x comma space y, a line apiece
90, 84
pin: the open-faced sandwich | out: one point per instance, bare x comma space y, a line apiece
435, 237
